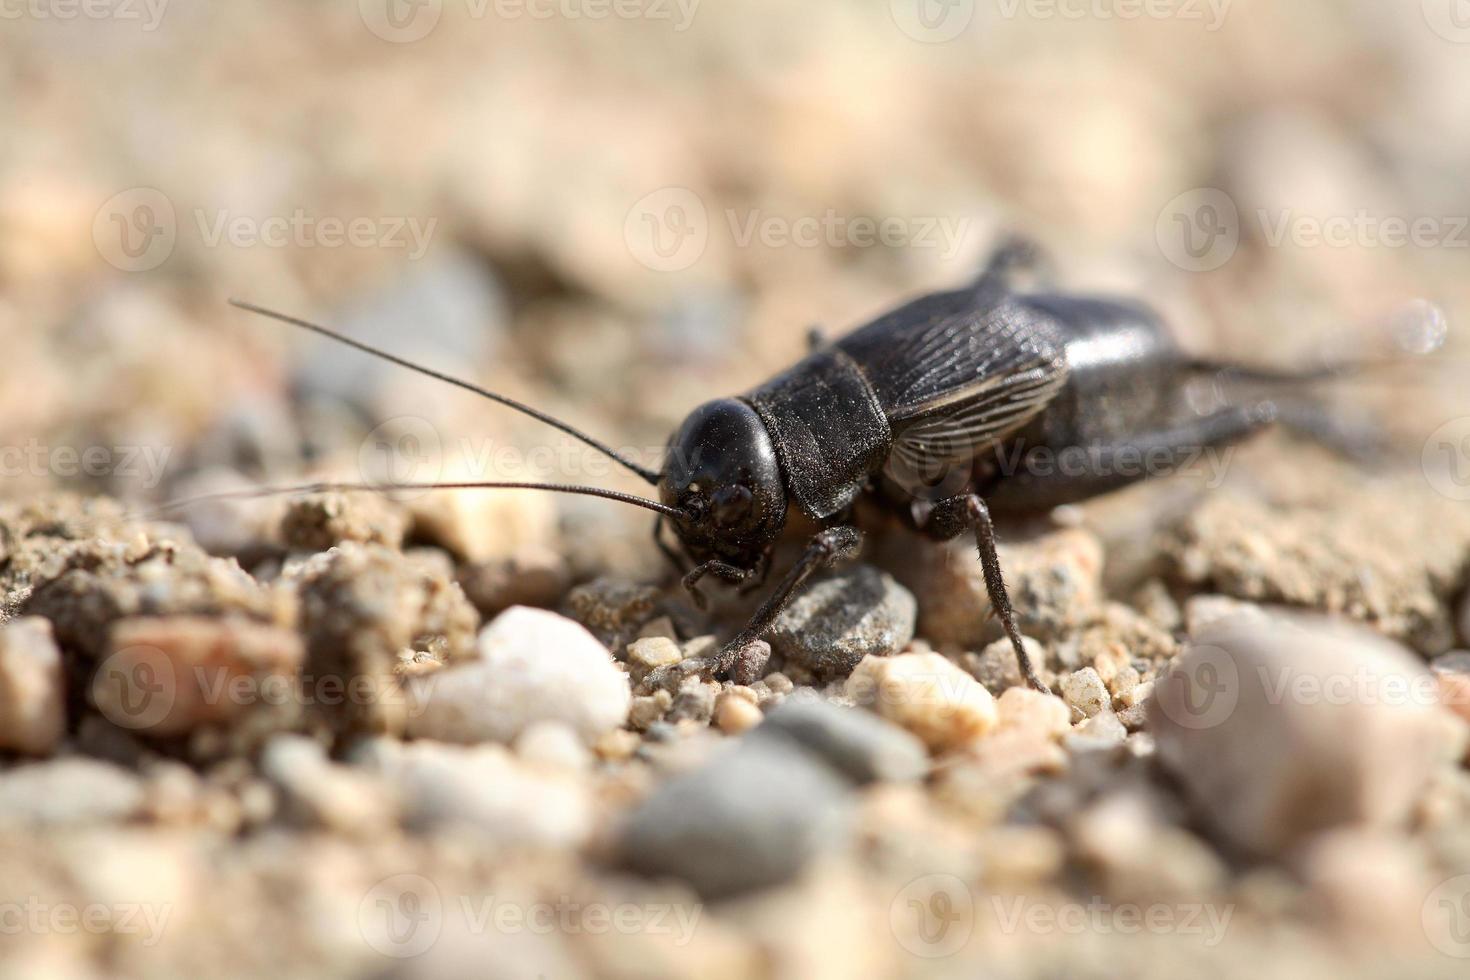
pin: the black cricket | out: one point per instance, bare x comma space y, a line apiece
915, 410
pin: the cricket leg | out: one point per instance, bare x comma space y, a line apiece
1000, 599
826, 548
723, 571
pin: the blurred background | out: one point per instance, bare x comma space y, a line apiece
616, 210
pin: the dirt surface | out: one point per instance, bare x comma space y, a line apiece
422, 734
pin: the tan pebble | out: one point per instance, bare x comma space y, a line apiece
32, 688
617, 746
1085, 692
1103, 728
1137, 694
647, 710
1125, 679
1044, 714
662, 626
927, 694
1452, 672
553, 745
736, 714
1018, 752
650, 653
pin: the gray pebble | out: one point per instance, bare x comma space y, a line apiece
69, 791
858, 744
834, 624
752, 817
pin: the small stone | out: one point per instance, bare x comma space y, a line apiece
647, 710
32, 688
483, 788
530, 577
1203, 610
1085, 692
1046, 715
997, 667
1281, 728
752, 817
320, 793
169, 675
1102, 730
661, 626
69, 791
617, 745
1054, 580
484, 526
322, 521
534, 666
613, 609
926, 694
857, 744
736, 715
695, 702
856, 613
649, 654
553, 745
361, 606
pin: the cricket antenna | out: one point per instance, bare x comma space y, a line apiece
330, 487
643, 471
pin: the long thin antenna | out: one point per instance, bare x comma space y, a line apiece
305, 488
643, 471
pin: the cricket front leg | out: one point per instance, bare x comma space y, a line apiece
826, 548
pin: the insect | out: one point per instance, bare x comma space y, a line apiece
917, 411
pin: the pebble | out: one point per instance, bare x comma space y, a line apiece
997, 668
1045, 715
1281, 728
322, 521
926, 694
649, 654
736, 715
1102, 730
1054, 580
695, 702
1085, 692
864, 748
320, 793
646, 710
534, 666
553, 745
482, 788
361, 606
614, 609
856, 613
32, 688
752, 817
68, 791
487, 525
533, 576
165, 676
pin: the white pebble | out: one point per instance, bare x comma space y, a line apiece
32, 688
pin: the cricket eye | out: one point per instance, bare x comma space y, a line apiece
730, 505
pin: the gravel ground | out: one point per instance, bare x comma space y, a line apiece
420, 734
